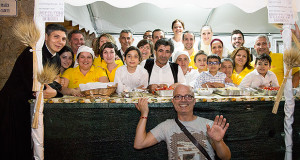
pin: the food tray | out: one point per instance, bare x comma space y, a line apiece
101, 92
232, 92
165, 93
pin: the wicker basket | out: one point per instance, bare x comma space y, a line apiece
101, 92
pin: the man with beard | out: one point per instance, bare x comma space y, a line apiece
15, 119
262, 45
126, 41
208, 133
76, 39
163, 73
237, 38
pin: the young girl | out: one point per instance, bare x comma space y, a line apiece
132, 75
66, 57
201, 61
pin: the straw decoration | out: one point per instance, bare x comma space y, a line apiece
28, 33
291, 58
47, 76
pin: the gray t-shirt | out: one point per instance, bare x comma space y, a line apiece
179, 146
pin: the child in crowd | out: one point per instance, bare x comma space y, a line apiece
261, 77
201, 61
211, 78
132, 76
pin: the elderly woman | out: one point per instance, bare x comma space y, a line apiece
182, 58
217, 47
177, 28
206, 35
227, 68
241, 62
146, 48
105, 37
108, 53
85, 72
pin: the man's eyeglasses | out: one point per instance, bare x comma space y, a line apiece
147, 36
186, 97
213, 63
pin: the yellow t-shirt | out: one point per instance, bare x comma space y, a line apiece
111, 75
240, 76
75, 77
99, 62
236, 78
277, 66
192, 63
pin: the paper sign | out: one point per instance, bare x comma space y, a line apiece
280, 11
51, 11
8, 8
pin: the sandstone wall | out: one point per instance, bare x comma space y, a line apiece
10, 47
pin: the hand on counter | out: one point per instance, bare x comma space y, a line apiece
49, 92
76, 92
142, 106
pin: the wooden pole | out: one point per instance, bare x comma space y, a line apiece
37, 109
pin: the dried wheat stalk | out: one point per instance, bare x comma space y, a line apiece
48, 75
28, 33
291, 58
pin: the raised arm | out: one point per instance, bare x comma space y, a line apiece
216, 133
143, 139
296, 31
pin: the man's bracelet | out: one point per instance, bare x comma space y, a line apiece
143, 117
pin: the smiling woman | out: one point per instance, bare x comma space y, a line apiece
84, 73
241, 62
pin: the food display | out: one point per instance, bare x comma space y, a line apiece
204, 91
134, 93
234, 91
165, 91
270, 91
98, 89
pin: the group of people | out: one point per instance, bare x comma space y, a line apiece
156, 62
131, 67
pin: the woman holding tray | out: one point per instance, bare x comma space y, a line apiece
84, 73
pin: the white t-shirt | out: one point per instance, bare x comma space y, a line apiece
254, 80
129, 81
191, 76
179, 146
164, 75
178, 46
